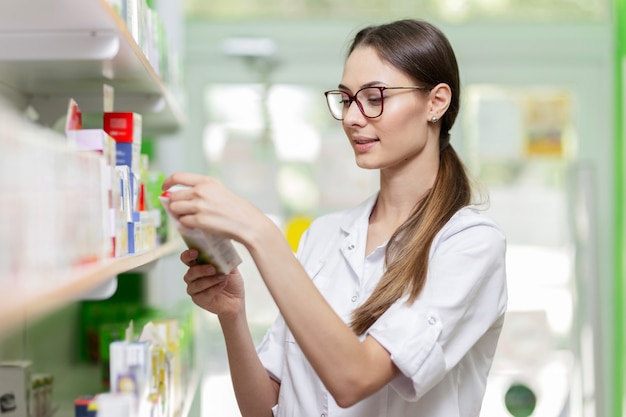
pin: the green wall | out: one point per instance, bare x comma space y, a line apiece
620, 173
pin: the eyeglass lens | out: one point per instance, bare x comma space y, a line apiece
369, 100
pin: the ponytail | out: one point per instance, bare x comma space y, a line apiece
406, 257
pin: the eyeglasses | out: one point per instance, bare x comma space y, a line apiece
369, 100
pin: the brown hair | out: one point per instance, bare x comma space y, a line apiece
423, 52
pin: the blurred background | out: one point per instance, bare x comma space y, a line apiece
540, 128
537, 128
541, 95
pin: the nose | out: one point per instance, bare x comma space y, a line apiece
353, 115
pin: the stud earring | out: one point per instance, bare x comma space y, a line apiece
434, 119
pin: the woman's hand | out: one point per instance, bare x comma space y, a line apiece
221, 294
209, 206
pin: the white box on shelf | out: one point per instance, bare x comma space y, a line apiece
129, 366
15, 388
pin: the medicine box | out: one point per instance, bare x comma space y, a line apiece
15, 388
97, 140
129, 366
134, 233
41, 395
126, 129
212, 248
85, 406
116, 404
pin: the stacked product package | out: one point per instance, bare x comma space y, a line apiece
51, 199
146, 27
131, 226
23, 392
68, 201
148, 373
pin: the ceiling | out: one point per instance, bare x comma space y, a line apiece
446, 10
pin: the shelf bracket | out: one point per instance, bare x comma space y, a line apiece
102, 291
58, 46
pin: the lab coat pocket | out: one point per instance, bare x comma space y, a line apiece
319, 280
291, 345
314, 269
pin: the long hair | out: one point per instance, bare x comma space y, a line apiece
423, 52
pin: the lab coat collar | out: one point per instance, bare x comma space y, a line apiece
357, 214
355, 225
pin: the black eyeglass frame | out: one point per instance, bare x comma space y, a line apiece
352, 98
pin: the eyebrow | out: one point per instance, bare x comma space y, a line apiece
370, 84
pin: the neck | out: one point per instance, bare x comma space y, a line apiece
398, 197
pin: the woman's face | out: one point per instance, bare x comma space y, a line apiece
400, 135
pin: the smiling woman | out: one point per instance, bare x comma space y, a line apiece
406, 289
517, 58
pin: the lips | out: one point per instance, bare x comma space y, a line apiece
364, 144
362, 140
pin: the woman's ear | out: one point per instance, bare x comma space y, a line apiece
440, 97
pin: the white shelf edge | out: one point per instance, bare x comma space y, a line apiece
73, 59
35, 299
130, 41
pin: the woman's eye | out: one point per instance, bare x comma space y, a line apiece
375, 101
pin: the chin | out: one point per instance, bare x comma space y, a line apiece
366, 164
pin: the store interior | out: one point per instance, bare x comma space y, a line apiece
240, 98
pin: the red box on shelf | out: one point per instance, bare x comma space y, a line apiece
125, 128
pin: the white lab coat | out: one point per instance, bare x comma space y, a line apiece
443, 343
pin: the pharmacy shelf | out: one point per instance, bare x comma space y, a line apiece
48, 291
66, 409
191, 392
51, 50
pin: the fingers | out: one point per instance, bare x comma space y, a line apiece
201, 271
184, 178
189, 257
185, 201
200, 278
204, 284
184, 208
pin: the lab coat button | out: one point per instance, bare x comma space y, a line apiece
432, 320
350, 246
354, 298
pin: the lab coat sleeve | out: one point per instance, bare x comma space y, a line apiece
463, 298
272, 347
